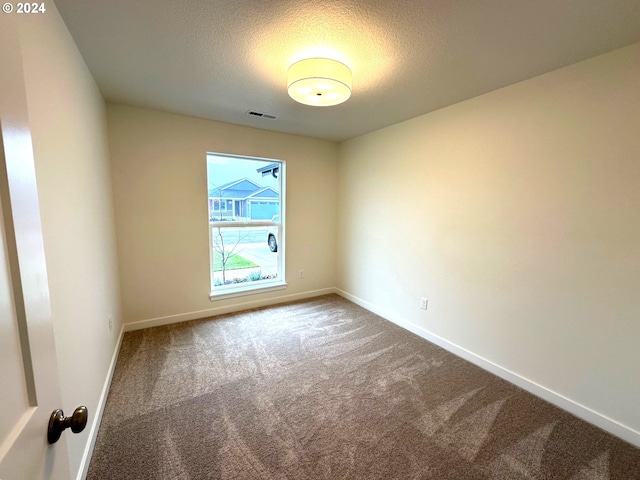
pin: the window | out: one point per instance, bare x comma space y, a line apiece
246, 224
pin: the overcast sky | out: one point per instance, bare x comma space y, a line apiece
221, 170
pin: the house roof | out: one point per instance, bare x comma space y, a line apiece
241, 189
265, 193
237, 189
271, 169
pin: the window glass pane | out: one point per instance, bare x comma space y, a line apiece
246, 231
244, 255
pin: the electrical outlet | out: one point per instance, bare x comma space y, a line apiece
301, 274
423, 303
110, 323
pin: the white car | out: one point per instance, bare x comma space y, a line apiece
272, 235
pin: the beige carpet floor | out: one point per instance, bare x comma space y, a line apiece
323, 389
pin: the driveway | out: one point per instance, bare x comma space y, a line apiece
259, 254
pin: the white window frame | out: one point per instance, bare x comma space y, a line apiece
220, 292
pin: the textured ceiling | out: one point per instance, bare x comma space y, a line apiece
217, 59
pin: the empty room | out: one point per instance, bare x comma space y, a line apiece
320, 239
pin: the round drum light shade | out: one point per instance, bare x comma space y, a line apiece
320, 82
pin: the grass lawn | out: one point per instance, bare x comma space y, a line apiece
234, 263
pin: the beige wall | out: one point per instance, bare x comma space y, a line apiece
517, 214
68, 120
160, 190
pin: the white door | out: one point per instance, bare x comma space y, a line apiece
29, 389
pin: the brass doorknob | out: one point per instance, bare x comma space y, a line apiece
58, 423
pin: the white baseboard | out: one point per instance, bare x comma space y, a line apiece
97, 417
615, 428
212, 312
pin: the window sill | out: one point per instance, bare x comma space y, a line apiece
225, 292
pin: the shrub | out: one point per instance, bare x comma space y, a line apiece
253, 276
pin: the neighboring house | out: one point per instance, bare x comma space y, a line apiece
243, 199
272, 169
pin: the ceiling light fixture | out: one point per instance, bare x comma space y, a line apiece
320, 82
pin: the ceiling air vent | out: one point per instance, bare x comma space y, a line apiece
253, 113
